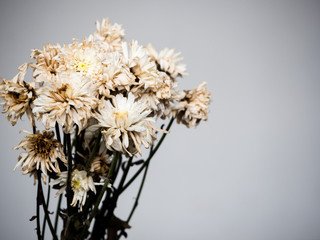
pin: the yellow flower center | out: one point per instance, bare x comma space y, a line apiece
121, 116
75, 183
82, 66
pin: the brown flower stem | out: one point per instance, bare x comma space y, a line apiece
44, 205
94, 151
57, 214
139, 193
105, 185
148, 159
45, 219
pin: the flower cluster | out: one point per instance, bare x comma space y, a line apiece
98, 90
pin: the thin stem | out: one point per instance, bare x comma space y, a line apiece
69, 189
58, 132
78, 149
125, 174
94, 151
87, 205
117, 168
45, 207
149, 158
57, 214
45, 220
38, 205
34, 129
60, 197
100, 220
104, 187
139, 193
64, 144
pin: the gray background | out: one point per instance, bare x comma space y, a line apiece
252, 170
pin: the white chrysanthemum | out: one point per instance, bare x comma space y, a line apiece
168, 61
194, 106
109, 36
81, 183
165, 88
83, 57
69, 100
115, 75
140, 64
160, 98
166, 106
41, 152
48, 63
18, 96
125, 124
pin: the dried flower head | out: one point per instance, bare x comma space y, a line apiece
115, 75
101, 165
194, 106
125, 124
110, 34
41, 151
163, 97
140, 64
69, 100
82, 57
81, 183
47, 63
168, 61
18, 96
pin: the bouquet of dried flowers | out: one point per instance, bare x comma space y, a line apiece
98, 100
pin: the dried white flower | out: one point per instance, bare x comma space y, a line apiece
125, 124
109, 36
42, 151
48, 63
115, 75
18, 96
69, 100
140, 64
194, 106
168, 61
84, 58
81, 183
